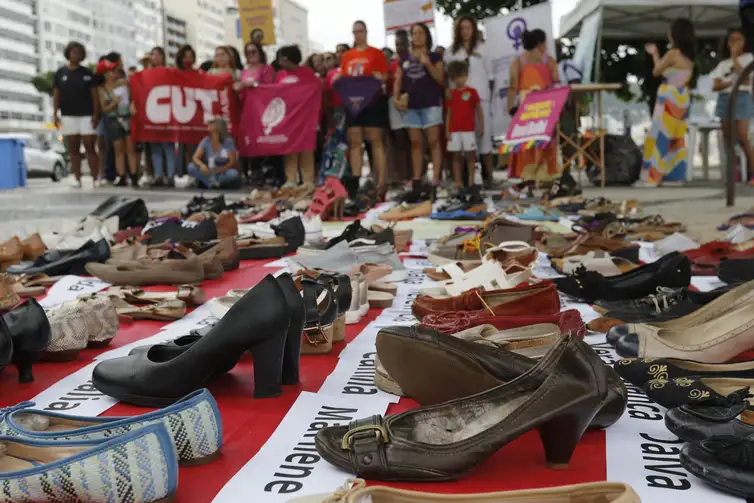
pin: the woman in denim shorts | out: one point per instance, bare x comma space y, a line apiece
419, 93
733, 59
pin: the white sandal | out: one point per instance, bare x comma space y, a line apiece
491, 275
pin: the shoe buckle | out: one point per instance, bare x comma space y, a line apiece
315, 335
380, 433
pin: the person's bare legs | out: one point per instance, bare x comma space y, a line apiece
308, 174
379, 156
417, 152
91, 155
119, 147
101, 147
457, 169
291, 169
356, 150
488, 168
74, 152
435, 151
134, 158
471, 166
742, 131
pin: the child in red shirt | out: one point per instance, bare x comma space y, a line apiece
464, 116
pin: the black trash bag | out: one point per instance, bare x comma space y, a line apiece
623, 161
131, 211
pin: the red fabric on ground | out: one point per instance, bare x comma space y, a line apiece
248, 423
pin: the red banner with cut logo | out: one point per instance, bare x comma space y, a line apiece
175, 105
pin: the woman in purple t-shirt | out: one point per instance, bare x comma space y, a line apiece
418, 93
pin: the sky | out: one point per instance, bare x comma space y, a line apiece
330, 20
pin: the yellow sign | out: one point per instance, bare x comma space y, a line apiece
257, 21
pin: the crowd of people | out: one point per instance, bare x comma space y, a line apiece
433, 110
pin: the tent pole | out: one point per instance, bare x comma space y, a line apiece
598, 48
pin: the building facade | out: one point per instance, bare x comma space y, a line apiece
176, 34
205, 24
20, 103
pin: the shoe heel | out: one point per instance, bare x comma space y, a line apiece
23, 361
339, 329
560, 435
291, 359
268, 367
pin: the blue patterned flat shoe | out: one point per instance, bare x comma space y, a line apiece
193, 424
137, 467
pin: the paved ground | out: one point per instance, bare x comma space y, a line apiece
45, 205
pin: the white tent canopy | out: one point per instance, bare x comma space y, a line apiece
643, 19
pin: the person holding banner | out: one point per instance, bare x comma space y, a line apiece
291, 72
365, 61
419, 93
532, 71
469, 47
225, 63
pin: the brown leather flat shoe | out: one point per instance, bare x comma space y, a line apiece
355, 491
559, 397
591, 242
154, 272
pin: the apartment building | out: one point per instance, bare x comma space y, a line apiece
20, 103
176, 34
205, 24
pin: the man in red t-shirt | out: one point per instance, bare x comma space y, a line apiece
464, 114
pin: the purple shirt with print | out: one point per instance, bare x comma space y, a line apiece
423, 91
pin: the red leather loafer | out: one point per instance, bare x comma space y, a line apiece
537, 299
450, 323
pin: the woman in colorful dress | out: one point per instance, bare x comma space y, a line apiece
665, 155
532, 71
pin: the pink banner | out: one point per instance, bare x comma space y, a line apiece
535, 121
280, 119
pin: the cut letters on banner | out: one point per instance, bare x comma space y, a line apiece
280, 119
174, 105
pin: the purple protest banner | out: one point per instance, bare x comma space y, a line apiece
357, 93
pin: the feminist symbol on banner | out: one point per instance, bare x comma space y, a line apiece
273, 114
516, 30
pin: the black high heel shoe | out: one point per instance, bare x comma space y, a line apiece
30, 331
291, 353
258, 322
6, 344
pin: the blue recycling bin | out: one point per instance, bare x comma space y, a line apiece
12, 163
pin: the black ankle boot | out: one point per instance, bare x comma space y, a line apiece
258, 322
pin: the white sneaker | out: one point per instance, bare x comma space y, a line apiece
145, 180
74, 183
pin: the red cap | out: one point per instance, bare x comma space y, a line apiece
105, 66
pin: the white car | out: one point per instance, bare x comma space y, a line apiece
40, 157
